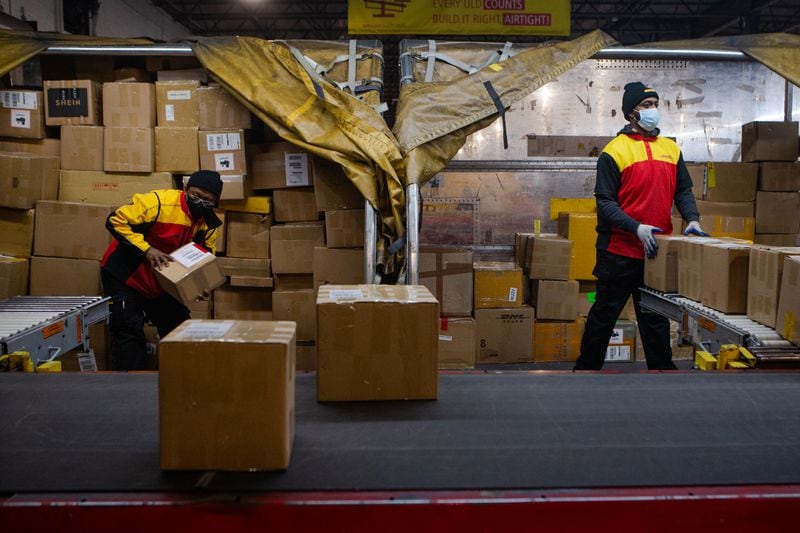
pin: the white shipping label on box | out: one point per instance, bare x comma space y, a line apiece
87, 361
18, 99
345, 294
296, 169
446, 338
223, 162
189, 255
512, 294
205, 330
179, 95
223, 141
169, 112
618, 353
617, 337
21, 118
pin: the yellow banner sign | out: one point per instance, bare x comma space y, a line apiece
459, 17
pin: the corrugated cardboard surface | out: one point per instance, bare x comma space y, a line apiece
281, 165
297, 306
724, 277
22, 114
16, 232
82, 147
176, 103
295, 205
690, 266
32, 146
226, 400
764, 282
242, 303
248, 235
27, 178
728, 209
71, 229
548, 257
218, 109
108, 189
223, 151
201, 309
724, 182
293, 282
56, 276
580, 229
129, 105
778, 239
73, 102
338, 266
186, 284
239, 266
377, 342
176, 150
555, 299
778, 212
504, 335
448, 274
779, 176
661, 272
344, 228
558, 340
498, 285
13, 276
332, 188
128, 149
456, 342
769, 141
788, 325
292, 246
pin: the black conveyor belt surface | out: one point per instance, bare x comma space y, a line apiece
99, 433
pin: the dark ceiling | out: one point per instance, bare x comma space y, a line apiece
628, 21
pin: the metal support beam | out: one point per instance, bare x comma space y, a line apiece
370, 243
412, 234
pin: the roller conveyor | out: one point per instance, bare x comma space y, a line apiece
47, 326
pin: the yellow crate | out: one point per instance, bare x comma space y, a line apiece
261, 205
571, 205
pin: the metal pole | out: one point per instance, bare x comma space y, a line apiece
370, 242
412, 234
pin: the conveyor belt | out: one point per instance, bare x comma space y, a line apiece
99, 433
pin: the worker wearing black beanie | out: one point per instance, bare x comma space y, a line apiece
634, 93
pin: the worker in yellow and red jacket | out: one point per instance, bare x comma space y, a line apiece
145, 232
639, 176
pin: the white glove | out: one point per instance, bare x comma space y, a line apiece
695, 229
645, 234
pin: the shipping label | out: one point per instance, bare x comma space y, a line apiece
296, 166
223, 162
169, 112
618, 353
18, 99
223, 141
189, 255
345, 294
68, 102
21, 118
205, 330
179, 95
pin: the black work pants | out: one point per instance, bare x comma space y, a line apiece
618, 278
129, 309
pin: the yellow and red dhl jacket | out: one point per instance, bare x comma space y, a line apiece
157, 218
638, 179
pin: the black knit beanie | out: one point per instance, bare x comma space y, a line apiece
208, 180
634, 93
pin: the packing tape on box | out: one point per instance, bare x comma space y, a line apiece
451, 270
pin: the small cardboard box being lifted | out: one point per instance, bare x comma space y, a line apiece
193, 270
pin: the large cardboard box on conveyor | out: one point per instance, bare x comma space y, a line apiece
724, 277
22, 114
27, 178
788, 320
690, 266
71, 229
448, 274
764, 282
377, 342
661, 272
226, 395
108, 189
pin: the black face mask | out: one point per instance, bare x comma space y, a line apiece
198, 210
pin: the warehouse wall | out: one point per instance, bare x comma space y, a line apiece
116, 18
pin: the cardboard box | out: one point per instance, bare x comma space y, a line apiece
724, 277
548, 257
248, 235
736, 227
201, 309
332, 189
295, 282
218, 109
73, 102
27, 178
71, 229
764, 282
182, 74
788, 326
555, 299
22, 114
32, 146
223, 151
296, 205
498, 285
128, 149
557, 340
356, 363
338, 266
778, 239
82, 147
234, 189
690, 266
520, 249
282, 165
661, 272
193, 271
622, 344
13, 276
16, 232
57, 276
306, 356
769, 141
504, 335
226, 396
343, 228
727, 209
261, 205
297, 306
292, 247
242, 303
237, 266
129, 105
566, 145
779, 176
724, 182
448, 274
580, 229
177, 151
108, 189
778, 212
456, 342
176, 104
